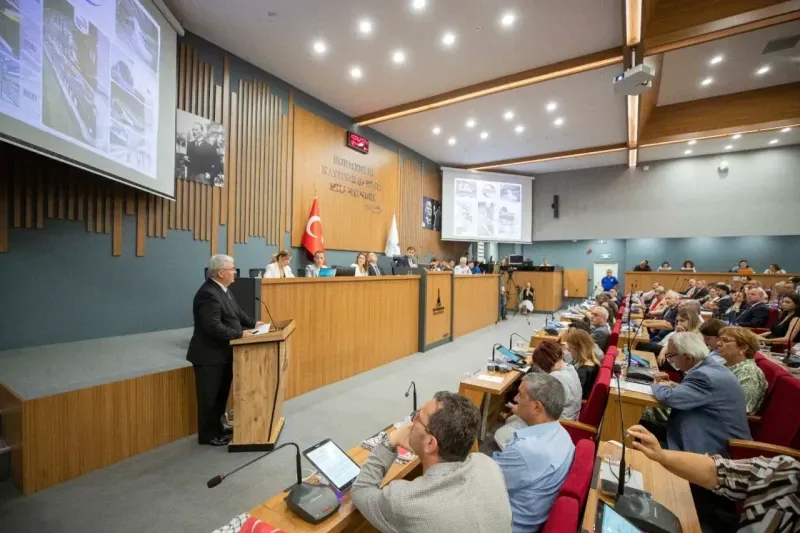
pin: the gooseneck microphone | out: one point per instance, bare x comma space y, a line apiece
413, 387
622, 466
516, 335
216, 480
274, 324
495, 348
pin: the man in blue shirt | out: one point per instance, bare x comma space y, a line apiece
536, 462
610, 281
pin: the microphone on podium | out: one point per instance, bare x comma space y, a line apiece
272, 320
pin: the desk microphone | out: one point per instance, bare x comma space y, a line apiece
274, 324
495, 348
516, 335
312, 503
413, 387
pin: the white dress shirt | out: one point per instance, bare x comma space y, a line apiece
360, 274
462, 270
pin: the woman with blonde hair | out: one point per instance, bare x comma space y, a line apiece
581, 348
738, 346
362, 269
279, 268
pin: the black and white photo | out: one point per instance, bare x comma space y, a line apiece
199, 149
431, 213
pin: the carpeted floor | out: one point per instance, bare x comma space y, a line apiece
164, 490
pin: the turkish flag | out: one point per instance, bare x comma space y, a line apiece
312, 238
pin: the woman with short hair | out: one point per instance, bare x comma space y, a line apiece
738, 346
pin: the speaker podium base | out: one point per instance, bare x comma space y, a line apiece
260, 447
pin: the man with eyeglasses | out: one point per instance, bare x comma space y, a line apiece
218, 319
458, 491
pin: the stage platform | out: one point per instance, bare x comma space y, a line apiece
71, 408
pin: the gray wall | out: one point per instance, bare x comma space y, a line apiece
760, 195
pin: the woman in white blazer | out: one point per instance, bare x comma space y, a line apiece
279, 268
362, 269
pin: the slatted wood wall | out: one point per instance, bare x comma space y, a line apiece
255, 201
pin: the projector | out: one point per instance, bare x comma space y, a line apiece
634, 81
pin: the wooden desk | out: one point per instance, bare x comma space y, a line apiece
778, 361
680, 280
643, 336
548, 286
476, 302
345, 326
633, 403
481, 392
275, 512
667, 489
541, 336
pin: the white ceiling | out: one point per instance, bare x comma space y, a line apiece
751, 141
574, 163
593, 116
685, 68
545, 31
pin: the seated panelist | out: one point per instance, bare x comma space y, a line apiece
374, 268
408, 260
312, 270
279, 268
361, 265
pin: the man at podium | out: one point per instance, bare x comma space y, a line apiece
218, 319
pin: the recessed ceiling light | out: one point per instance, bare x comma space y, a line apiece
786, 130
692, 142
737, 136
471, 122
508, 115
774, 141
508, 19
365, 26
320, 47
399, 57
729, 147
355, 73
763, 70
448, 38
484, 135
687, 152
520, 128
716, 60
451, 141
551, 106
707, 81
558, 122
418, 5
436, 130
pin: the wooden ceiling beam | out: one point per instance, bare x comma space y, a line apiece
553, 71
553, 156
649, 99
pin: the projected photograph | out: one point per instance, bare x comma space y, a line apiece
466, 188
511, 193
126, 109
507, 223
199, 149
129, 147
9, 28
488, 190
9, 80
464, 221
431, 214
138, 32
133, 77
486, 219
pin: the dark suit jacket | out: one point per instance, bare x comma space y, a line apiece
375, 270
755, 316
402, 261
217, 321
700, 294
723, 304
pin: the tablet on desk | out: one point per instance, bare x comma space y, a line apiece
609, 521
333, 463
511, 356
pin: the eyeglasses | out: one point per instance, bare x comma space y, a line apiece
670, 355
415, 418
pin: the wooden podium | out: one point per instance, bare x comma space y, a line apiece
260, 364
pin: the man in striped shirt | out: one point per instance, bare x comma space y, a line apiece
769, 487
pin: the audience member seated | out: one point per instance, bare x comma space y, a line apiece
708, 406
462, 268
768, 487
643, 266
616, 297
361, 265
544, 262
609, 281
710, 331
648, 296
660, 328
581, 349
657, 303
374, 269
774, 268
458, 491
701, 291
598, 318
712, 298
474, 268
408, 260
443, 266
795, 281
451, 264
279, 268
737, 346
538, 458
312, 270
433, 265
743, 268
755, 314
787, 330
723, 302
688, 266
737, 303
689, 292
688, 319
665, 267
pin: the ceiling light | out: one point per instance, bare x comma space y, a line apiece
774, 141
320, 47
508, 19
520, 128
687, 152
356, 73
451, 141
508, 115
471, 123
418, 5
552, 106
448, 38
436, 130
716, 60
707, 81
484, 135
786, 130
737, 136
763, 70
365, 26
558, 122
692, 142
399, 57
729, 147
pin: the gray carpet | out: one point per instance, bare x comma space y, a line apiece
164, 489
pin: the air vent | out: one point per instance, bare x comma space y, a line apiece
783, 46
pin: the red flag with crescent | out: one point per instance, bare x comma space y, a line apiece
312, 238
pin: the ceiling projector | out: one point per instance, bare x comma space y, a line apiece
634, 81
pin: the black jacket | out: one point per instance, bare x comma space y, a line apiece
755, 316
218, 320
723, 304
375, 270
699, 294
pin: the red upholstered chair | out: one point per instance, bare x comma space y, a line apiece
772, 372
613, 339
588, 424
778, 425
611, 356
576, 484
563, 517
774, 316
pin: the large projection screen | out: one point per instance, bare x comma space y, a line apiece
482, 206
91, 83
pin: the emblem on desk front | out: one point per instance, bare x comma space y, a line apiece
438, 309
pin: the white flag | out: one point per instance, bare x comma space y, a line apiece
393, 240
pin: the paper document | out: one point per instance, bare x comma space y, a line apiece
635, 481
493, 379
261, 329
635, 387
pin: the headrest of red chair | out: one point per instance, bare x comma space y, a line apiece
780, 421
579, 477
592, 412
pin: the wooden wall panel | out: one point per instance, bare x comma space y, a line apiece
141, 223
226, 122
230, 179
116, 239
11, 429
576, 282
468, 317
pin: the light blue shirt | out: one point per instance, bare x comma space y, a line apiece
717, 357
534, 465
